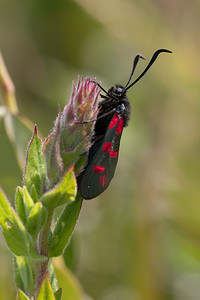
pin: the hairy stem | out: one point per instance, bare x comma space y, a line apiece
41, 268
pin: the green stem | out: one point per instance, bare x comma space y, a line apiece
41, 268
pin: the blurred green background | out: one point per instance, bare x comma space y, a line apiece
141, 238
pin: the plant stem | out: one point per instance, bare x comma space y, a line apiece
41, 268
7, 88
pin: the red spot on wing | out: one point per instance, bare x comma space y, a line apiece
120, 126
107, 146
114, 121
103, 180
98, 169
113, 154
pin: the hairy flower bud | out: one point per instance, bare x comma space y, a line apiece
70, 139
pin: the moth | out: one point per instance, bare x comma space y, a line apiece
113, 116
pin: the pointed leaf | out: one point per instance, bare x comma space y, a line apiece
16, 238
13, 229
58, 294
36, 219
63, 192
51, 151
4, 207
22, 296
18, 279
64, 227
25, 271
34, 195
52, 278
14, 232
35, 168
19, 204
46, 291
28, 201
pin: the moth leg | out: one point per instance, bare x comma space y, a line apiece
94, 120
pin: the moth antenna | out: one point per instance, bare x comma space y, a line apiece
154, 57
100, 87
104, 90
135, 62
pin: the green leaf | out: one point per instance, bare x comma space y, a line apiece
58, 294
18, 279
36, 219
46, 291
51, 151
16, 239
35, 256
28, 201
35, 168
25, 271
4, 207
71, 253
34, 195
15, 234
64, 227
72, 156
63, 192
80, 163
13, 229
71, 288
52, 277
22, 296
19, 204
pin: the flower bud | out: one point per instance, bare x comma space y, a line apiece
70, 139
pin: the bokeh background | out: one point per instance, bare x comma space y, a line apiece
140, 240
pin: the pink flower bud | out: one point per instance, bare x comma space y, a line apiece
70, 139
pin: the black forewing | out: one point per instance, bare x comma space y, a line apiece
93, 184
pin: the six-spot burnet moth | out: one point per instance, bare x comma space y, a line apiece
113, 116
